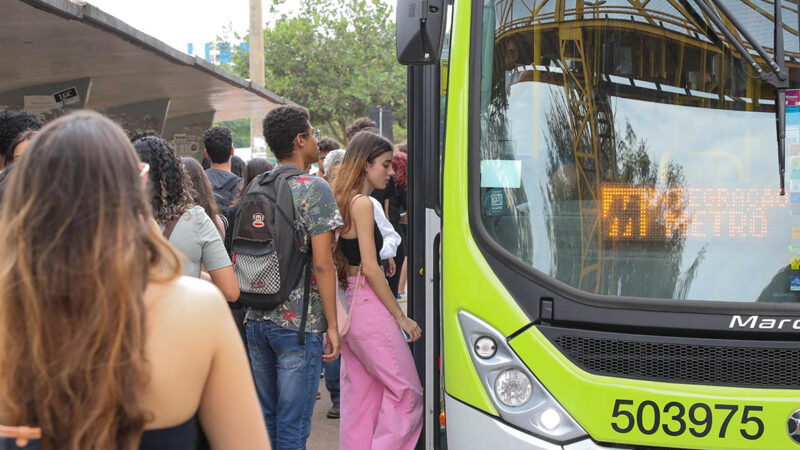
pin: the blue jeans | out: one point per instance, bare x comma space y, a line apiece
287, 378
332, 378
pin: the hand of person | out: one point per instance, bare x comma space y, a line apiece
410, 327
392, 269
404, 218
332, 345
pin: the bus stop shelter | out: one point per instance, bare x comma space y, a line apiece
57, 56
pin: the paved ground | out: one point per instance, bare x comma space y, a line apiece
324, 431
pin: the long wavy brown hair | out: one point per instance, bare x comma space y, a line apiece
364, 148
79, 246
202, 193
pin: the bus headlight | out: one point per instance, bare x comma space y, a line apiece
519, 397
513, 388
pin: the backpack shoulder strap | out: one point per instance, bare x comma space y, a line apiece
282, 172
170, 227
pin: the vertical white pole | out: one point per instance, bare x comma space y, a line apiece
256, 64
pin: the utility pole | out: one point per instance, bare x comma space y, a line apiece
256, 65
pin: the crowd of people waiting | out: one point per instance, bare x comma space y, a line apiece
117, 341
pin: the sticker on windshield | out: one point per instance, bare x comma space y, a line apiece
795, 286
499, 173
793, 97
795, 262
794, 248
795, 163
796, 233
795, 187
795, 150
795, 197
796, 210
796, 174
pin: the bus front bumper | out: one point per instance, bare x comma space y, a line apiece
469, 428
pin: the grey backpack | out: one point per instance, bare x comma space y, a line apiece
267, 244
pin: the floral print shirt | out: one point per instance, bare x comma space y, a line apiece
318, 213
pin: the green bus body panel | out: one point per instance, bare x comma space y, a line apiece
590, 399
467, 281
468, 284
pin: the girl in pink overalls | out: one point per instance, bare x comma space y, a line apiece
381, 396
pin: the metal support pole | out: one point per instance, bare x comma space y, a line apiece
256, 64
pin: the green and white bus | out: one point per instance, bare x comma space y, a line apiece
601, 254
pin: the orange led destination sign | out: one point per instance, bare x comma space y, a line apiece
643, 212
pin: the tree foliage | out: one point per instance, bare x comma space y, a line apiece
240, 131
337, 58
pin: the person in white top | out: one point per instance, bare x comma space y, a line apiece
391, 239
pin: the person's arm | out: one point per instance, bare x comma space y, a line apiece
229, 410
226, 281
325, 274
363, 218
391, 240
215, 259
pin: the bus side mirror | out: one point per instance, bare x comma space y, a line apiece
420, 31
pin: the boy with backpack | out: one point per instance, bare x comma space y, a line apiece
282, 245
219, 148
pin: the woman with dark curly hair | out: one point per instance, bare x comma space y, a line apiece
187, 227
203, 193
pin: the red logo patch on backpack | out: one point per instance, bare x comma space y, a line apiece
258, 220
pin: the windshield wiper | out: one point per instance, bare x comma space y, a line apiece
779, 75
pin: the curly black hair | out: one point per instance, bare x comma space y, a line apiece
140, 134
361, 124
327, 144
170, 186
13, 123
218, 142
281, 126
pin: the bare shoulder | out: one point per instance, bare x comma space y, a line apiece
191, 298
363, 204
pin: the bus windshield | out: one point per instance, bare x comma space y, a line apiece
628, 150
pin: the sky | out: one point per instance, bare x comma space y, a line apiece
179, 22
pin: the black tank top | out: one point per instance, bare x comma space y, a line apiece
353, 254
186, 436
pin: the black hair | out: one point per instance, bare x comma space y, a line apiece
237, 166
281, 126
140, 134
327, 144
202, 193
170, 186
361, 124
206, 163
13, 123
254, 168
218, 142
25, 136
